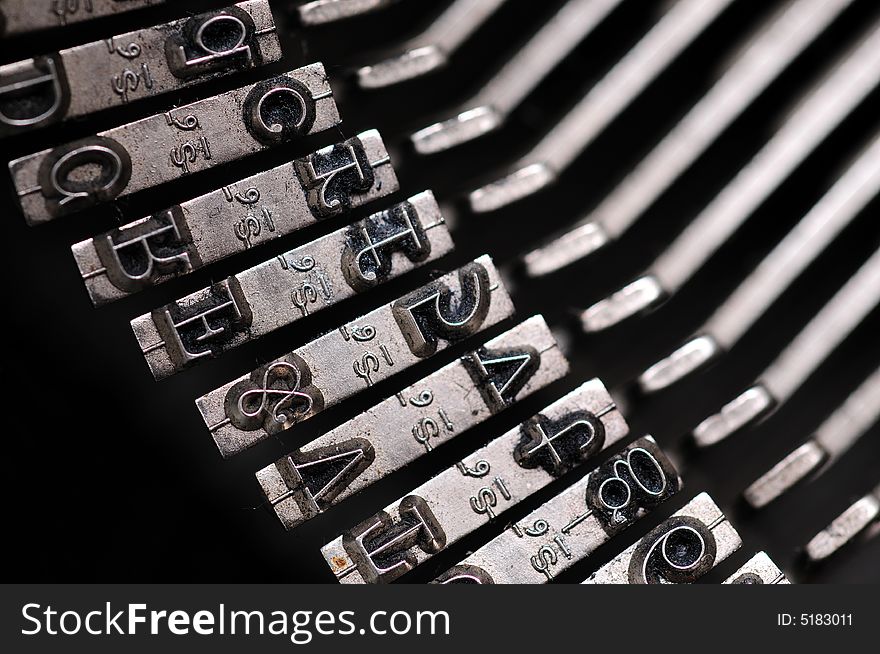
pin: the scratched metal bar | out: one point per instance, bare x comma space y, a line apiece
413, 423
21, 16
824, 107
433, 48
569, 527
833, 438
843, 203
235, 218
859, 519
293, 285
362, 352
490, 107
800, 359
52, 88
478, 489
678, 28
680, 551
174, 144
759, 570
322, 12
756, 65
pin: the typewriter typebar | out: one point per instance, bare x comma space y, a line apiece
832, 439
20, 16
293, 285
759, 570
321, 12
568, 528
803, 355
174, 144
339, 364
235, 218
464, 497
412, 423
862, 518
680, 551
55, 87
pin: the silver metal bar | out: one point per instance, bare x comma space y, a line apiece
486, 483
759, 570
856, 520
175, 144
321, 12
432, 48
122, 69
412, 423
568, 528
682, 23
756, 64
832, 439
846, 200
680, 551
293, 286
235, 218
362, 352
490, 107
20, 16
810, 348
826, 105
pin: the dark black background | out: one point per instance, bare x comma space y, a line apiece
114, 477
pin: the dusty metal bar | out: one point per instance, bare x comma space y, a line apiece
21, 16
359, 354
235, 218
682, 23
321, 12
293, 285
844, 202
825, 107
432, 48
481, 487
860, 518
490, 107
174, 144
412, 423
759, 570
756, 64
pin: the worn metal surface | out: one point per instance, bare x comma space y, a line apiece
293, 285
479, 488
413, 423
771, 277
235, 218
825, 107
759, 62
833, 438
365, 351
490, 107
682, 23
321, 12
800, 359
859, 519
569, 527
432, 48
174, 144
20, 16
129, 67
680, 551
760, 569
